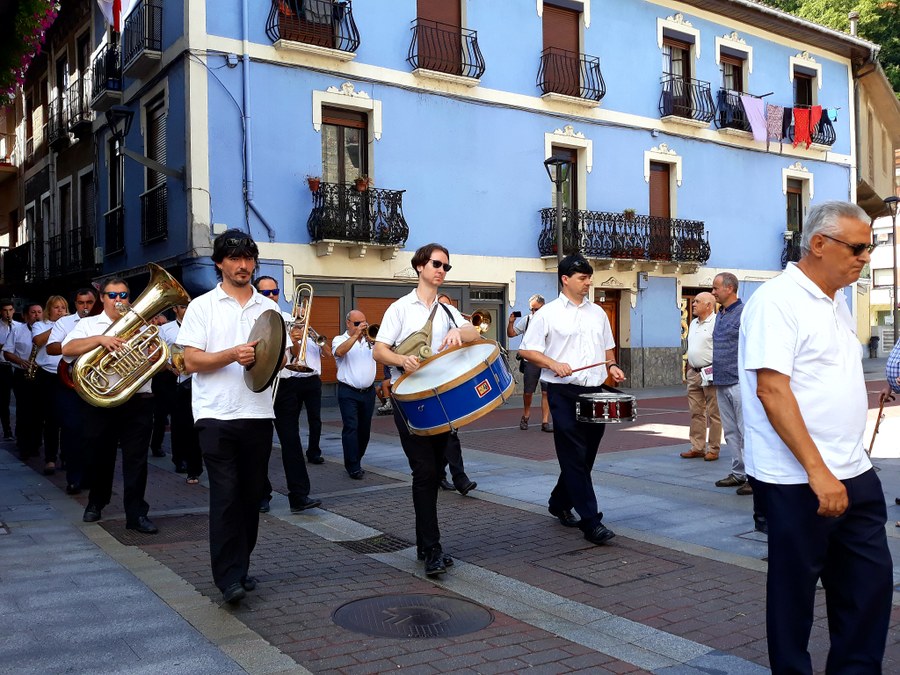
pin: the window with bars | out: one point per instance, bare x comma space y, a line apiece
344, 145
794, 205
732, 73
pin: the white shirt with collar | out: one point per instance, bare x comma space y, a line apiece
214, 322
577, 334
408, 314
790, 326
19, 342
5, 331
356, 368
521, 324
700, 341
169, 333
91, 326
313, 354
62, 327
43, 359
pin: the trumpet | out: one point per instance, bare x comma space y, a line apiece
480, 320
372, 333
320, 340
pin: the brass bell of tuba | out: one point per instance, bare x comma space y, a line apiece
108, 379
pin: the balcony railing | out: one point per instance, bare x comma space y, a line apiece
596, 234
114, 221
445, 48
791, 251
70, 252
17, 264
56, 254
154, 214
322, 23
58, 123
38, 271
822, 133
730, 111
342, 213
570, 74
106, 77
142, 38
690, 99
80, 113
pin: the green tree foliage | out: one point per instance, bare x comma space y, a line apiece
879, 21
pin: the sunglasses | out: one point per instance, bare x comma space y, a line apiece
579, 267
239, 242
437, 264
274, 291
356, 323
855, 249
112, 295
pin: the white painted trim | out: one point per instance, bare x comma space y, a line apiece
804, 61
684, 121
585, 11
801, 173
665, 155
570, 100
678, 24
304, 48
446, 77
737, 43
347, 97
81, 174
59, 216
196, 102
88, 28
567, 137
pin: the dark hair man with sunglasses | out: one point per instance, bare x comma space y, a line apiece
233, 422
805, 405
105, 429
570, 332
424, 453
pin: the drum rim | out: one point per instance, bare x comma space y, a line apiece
455, 382
467, 419
606, 395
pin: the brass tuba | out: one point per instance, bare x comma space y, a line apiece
108, 379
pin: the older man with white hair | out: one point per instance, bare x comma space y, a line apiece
531, 373
700, 389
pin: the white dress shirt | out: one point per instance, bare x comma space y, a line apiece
313, 354
356, 368
214, 322
91, 326
577, 334
5, 331
43, 359
700, 342
19, 342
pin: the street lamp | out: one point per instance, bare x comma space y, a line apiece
891, 205
558, 170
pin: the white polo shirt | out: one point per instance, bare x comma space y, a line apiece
91, 326
700, 341
356, 368
407, 315
789, 325
213, 322
19, 342
62, 327
5, 331
43, 359
577, 334
169, 333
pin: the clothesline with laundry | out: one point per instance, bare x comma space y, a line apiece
770, 122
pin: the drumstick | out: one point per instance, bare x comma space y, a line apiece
877, 424
593, 365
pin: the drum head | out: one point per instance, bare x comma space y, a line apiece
444, 368
269, 330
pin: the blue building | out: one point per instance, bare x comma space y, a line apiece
343, 135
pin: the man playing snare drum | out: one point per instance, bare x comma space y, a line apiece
424, 453
568, 333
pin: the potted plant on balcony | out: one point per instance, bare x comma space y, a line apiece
629, 214
313, 182
362, 183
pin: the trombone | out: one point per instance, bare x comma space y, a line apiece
303, 299
480, 320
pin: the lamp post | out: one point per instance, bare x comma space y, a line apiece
891, 205
558, 170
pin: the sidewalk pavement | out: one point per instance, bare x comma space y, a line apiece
680, 590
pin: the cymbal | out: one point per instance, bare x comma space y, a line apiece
269, 330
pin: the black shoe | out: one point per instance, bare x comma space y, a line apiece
264, 505
73, 489
7, 436
316, 460
565, 516
447, 558
143, 525
248, 583
298, 505
158, 452
466, 486
446, 485
357, 475
181, 467
760, 524
600, 534
234, 593
434, 563
91, 514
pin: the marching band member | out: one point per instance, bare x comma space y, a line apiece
234, 423
6, 378
163, 387
18, 350
424, 453
294, 390
69, 405
47, 381
572, 330
105, 429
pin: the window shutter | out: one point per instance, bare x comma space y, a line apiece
660, 204
156, 139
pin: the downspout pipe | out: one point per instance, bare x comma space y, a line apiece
248, 136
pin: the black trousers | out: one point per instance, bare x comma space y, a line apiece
453, 456
292, 391
28, 424
357, 408
308, 391
426, 457
105, 429
185, 441
163, 386
576, 449
236, 453
72, 411
6, 379
851, 557
47, 385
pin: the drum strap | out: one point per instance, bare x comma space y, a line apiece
449, 314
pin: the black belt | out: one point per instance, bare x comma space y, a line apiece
357, 389
142, 395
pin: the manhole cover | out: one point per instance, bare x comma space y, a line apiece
383, 543
412, 616
172, 530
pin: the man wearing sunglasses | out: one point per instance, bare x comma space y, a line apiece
426, 454
105, 429
805, 406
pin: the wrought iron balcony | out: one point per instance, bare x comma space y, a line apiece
70, 252
690, 99
154, 214
142, 38
445, 48
114, 221
570, 74
342, 213
106, 78
730, 111
791, 252
822, 133
58, 123
56, 254
17, 264
80, 113
322, 23
596, 234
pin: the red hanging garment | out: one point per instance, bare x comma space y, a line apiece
801, 126
815, 114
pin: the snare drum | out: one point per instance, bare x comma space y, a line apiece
605, 408
456, 387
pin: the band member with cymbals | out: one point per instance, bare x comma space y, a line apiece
47, 381
568, 333
105, 429
424, 453
234, 423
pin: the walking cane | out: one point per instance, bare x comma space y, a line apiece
878, 423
